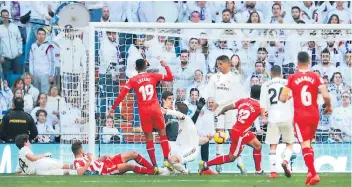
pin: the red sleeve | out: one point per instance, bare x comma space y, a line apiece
320, 81
78, 164
289, 82
167, 77
237, 103
123, 93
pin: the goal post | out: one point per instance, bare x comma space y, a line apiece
224, 32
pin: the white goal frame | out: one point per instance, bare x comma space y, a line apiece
93, 26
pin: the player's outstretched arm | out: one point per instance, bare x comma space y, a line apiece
33, 158
327, 100
118, 100
226, 108
168, 76
175, 113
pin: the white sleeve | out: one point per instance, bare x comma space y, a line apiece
263, 97
175, 113
24, 152
211, 86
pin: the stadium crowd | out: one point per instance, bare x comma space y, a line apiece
38, 61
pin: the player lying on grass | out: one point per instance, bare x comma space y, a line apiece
110, 165
186, 148
248, 111
305, 86
280, 118
31, 164
148, 106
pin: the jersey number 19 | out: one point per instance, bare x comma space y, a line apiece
147, 92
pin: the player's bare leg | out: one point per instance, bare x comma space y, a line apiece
272, 160
151, 150
133, 155
164, 143
257, 155
287, 157
240, 164
308, 155
178, 165
218, 151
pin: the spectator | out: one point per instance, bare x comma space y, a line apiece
204, 9
236, 65
335, 54
10, 46
221, 48
227, 17
296, 14
194, 18
346, 68
341, 119
18, 84
105, 17
343, 14
311, 13
42, 62
28, 87
95, 10
42, 105
337, 86
17, 122
55, 103
314, 52
44, 128
193, 101
250, 7
197, 80
232, 7
325, 67
259, 72
255, 19
136, 51
247, 55
196, 57
110, 132
262, 55
168, 53
6, 96
183, 75
117, 10
275, 52
276, 17
28, 100
171, 122
181, 95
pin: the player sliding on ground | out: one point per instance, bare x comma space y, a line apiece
305, 86
280, 116
186, 148
110, 165
148, 107
248, 111
31, 164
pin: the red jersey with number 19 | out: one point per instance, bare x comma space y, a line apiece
248, 111
305, 87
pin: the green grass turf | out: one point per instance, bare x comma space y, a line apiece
129, 180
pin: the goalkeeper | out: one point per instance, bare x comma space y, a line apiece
187, 144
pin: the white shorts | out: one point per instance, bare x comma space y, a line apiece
276, 129
45, 166
227, 120
185, 154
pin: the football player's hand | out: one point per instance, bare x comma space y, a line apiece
111, 113
328, 109
47, 154
90, 156
162, 62
222, 112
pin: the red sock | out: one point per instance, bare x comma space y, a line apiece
151, 151
218, 160
142, 161
143, 170
164, 143
257, 156
308, 155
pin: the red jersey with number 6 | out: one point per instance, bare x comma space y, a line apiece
145, 86
305, 87
248, 111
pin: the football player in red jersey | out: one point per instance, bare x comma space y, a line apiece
305, 85
110, 165
248, 111
148, 106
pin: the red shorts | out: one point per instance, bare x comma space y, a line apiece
111, 166
151, 117
240, 139
306, 129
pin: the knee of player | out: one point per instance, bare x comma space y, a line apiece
134, 154
129, 167
232, 157
148, 136
258, 146
174, 159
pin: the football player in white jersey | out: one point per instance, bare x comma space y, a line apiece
186, 149
225, 87
31, 164
279, 120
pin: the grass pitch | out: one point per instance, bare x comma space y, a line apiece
130, 180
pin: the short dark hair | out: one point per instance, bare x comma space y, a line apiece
255, 92
41, 29
258, 62
21, 139
166, 94
194, 90
276, 70
183, 108
41, 111
4, 10
18, 103
184, 51
326, 50
223, 58
226, 10
161, 17
262, 49
300, 22
296, 7
76, 146
140, 64
303, 57
275, 4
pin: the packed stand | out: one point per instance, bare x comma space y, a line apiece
45, 66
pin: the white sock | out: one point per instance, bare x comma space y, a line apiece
180, 167
272, 160
287, 154
218, 149
239, 161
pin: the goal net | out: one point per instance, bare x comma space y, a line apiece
191, 51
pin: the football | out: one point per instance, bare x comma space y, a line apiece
220, 137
